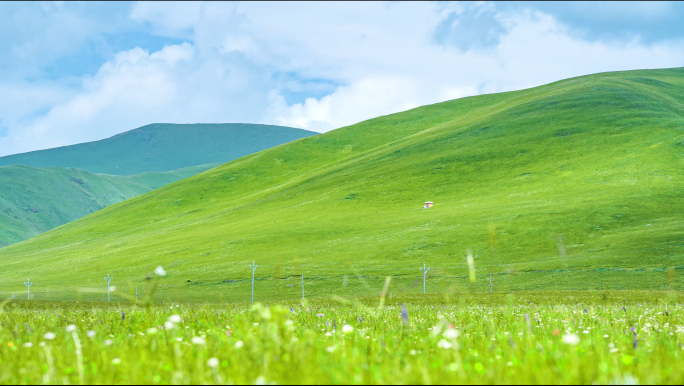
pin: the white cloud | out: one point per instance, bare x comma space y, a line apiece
242, 62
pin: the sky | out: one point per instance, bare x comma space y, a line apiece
73, 72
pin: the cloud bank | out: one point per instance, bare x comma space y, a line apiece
317, 66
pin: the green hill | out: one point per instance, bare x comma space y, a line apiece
35, 200
577, 184
162, 147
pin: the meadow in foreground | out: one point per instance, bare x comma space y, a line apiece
571, 337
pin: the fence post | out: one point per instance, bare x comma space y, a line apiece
254, 267
108, 279
28, 289
424, 270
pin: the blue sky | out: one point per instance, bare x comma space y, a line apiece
76, 72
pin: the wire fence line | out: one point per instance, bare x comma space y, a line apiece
368, 282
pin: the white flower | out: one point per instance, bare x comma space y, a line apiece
347, 329
108, 342
585, 332
160, 271
169, 325
451, 333
289, 322
49, 335
28, 344
412, 352
175, 319
212, 362
330, 349
91, 334
239, 344
328, 334
605, 336
179, 339
152, 330
571, 339
116, 361
198, 340
443, 344
71, 328
614, 350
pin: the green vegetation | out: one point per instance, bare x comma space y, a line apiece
623, 337
35, 200
574, 185
162, 147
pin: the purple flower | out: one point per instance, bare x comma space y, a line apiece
123, 315
404, 314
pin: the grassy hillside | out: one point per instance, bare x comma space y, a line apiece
162, 147
574, 185
35, 200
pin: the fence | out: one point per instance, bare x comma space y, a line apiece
280, 282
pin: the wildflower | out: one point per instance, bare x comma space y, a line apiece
239, 344
116, 361
404, 314
328, 334
49, 336
556, 332
198, 340
108, 342
175, 319
152, 330
614, 350
91, 334
319, 315
412, 352
212, 362
444, 344
451, 333
160, 271
169, 325
330, 349
289, 322
179, 339
585, 332
228, 333
571, 339
71, 328
347, 329
28, 344
605, 336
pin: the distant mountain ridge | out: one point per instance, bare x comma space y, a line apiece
162, 147
44, 189
35, 200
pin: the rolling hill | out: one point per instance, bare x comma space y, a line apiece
51, 193
35, 200
578, 184
162, 147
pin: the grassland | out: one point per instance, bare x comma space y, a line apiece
162, 147
578, 184
621, 337
35, 200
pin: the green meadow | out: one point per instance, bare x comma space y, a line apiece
542, 337
34, 200
575, 185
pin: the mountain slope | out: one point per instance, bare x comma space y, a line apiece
35, 200
162, 147
576, 184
